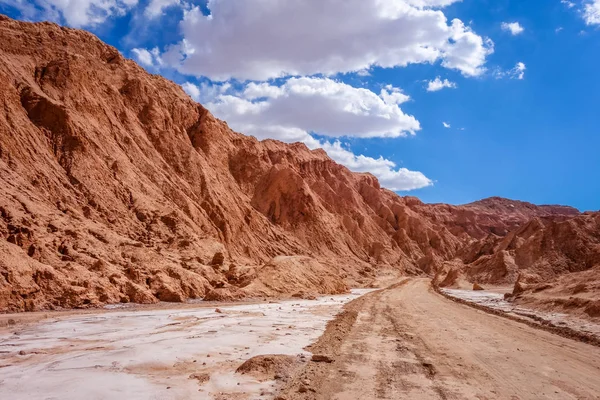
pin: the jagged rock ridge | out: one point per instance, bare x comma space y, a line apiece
115, 186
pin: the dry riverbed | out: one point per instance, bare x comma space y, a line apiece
158, 354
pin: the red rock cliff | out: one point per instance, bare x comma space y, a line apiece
115, 186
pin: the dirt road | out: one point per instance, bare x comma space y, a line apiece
408, 342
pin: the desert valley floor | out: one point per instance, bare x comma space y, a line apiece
149, 250
402, 342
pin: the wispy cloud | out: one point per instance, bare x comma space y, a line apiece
517, 72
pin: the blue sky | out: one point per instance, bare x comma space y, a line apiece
517, 117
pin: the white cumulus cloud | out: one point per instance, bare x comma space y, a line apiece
389, 175
302, 106
513, 27
192, 90
431, 3
148, 58
591, 13
205, 92
263, 39
76, 13
438, 84
322, 105
156, 7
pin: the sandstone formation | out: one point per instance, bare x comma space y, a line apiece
540, 250
115, 186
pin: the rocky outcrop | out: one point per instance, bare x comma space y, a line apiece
542, 250
116, 187
494, 216
293, 274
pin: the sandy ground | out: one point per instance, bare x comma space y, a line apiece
151, 354
496, 301
408, 342
11, 321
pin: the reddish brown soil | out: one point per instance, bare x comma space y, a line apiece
408, 342
116, 187
575, 293
269, 367
553, 262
